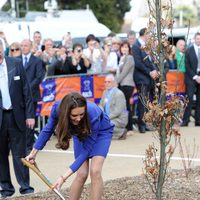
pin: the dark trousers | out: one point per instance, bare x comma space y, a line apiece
11, 138
128, 91
30, 135
190, 91
145, 92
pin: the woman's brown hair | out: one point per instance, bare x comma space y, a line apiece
125, 42
65, 129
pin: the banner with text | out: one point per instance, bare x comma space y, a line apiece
53, 89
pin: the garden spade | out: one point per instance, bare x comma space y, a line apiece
35, 168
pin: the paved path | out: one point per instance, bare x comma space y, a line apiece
125, 158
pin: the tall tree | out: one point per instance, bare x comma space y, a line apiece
165, 111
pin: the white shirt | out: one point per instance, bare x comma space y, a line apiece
27, 56
4, 87
5, 71
142, 42
95, 59
112, 61
196, 49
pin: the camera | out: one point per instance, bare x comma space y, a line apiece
79, 50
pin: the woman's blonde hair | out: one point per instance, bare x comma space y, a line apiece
15, 46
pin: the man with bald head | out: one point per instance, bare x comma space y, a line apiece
180, 55
113, 102
35, 74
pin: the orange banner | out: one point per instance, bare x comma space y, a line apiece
91, 86
52, 89
176, 82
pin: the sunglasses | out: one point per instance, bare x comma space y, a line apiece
17, 49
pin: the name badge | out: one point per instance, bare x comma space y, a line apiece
16, 78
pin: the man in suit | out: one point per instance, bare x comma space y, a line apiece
37, 38
192, 80
113, 102
144, 75
131, 36
16, 112
35, 74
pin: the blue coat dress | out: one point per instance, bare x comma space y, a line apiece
97, 144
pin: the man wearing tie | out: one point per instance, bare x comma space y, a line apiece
192, 80
145, 75
35, 74
16, 112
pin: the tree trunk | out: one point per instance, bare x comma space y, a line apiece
162, 133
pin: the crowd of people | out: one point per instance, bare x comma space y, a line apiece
23, 66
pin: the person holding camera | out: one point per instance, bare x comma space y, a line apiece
77, 63
94, 53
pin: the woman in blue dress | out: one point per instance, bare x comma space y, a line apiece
91, 130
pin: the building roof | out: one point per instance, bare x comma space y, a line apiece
76, 16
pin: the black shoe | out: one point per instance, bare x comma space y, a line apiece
4, 196
147, 128
142, 129
27, 191
123, 136
184, 124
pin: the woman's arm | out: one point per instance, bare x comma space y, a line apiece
86, 61
44, 135
58, 184
31, 157
49, 129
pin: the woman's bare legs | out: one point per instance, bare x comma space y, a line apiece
96, 178
77, 184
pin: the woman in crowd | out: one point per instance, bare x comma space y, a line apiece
91, 130
116, 42
125, 77
94, 53
171, 62
110, 57
15, 50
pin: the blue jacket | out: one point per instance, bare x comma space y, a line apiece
100, 128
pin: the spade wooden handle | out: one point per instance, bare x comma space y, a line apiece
35, 168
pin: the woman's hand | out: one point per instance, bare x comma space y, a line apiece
58, 184
31, 157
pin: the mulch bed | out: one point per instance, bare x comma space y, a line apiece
177, 187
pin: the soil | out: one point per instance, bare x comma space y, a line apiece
176, 187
